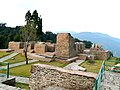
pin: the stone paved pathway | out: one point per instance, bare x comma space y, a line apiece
8, 57
20, 63
74, 65
21, 79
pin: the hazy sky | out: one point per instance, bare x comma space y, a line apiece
66, 15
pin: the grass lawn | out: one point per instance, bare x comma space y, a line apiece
22, 85
24, 70
92, 67
3, 53
96, 66
16, 59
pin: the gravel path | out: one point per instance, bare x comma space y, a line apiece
8, 57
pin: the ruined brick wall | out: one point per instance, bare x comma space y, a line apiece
103, 55
40, 48
31, 46
50, 47
82, 56
44, 76
100, 54
79, 47
65, 46
16, 46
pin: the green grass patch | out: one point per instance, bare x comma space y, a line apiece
24, 70
3, 53
16, 59
22, 85
95, 67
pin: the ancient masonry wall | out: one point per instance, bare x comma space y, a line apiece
40, 48
100, 54
44, 76
16, 46
65, 46
103, 55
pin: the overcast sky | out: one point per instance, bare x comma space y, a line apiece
66, 15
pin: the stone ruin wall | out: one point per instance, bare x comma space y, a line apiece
16, 46
79, 47
103, 55
72, 51
45, 76
50, 47
65, 46
100, 54
40, 48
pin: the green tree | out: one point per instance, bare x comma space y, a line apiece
28, 17
38, 23
77, 40
28, 34
88, 44
50, 37
37, 20
2, 41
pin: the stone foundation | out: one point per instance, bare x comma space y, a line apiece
44, 77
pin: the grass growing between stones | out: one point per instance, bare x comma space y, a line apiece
24, 70
3, 53
22, 86
16, 59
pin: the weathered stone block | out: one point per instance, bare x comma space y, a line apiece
65, 46
40, 48
44, 76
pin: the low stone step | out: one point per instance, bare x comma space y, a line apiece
72, 59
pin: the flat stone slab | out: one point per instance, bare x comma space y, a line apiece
74, 66
78, 68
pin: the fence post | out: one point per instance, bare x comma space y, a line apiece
8, 70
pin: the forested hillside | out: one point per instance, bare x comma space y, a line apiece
13, 34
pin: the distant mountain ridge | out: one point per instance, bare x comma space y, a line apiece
108, 42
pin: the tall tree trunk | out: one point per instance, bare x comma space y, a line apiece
25, 52
26, 57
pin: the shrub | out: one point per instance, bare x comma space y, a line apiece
91, 61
